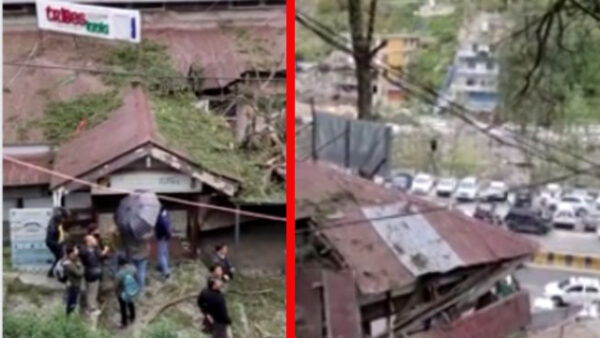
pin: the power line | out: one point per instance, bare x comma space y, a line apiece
134, 74
123, 191
325, 145
426, 211
334, 38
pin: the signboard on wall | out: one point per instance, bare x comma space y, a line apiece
156, 181
28, 239
93, 21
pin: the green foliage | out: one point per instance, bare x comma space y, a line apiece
431, 62
30, 325
61, 118
210, 142
162, 329
310, 47
563, 91
262, 300
152, 61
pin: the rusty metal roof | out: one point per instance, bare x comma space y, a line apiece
222, 54
15, 175
326, 298
383, 262
126, 129
498, 320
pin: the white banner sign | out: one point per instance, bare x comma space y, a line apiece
94, 21
156, 181
28, 238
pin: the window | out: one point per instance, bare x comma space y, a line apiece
575, 288
471, 64
470, 82
489, 65
591, 289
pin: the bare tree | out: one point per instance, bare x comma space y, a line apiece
362, 40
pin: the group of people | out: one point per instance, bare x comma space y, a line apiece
82, 266
211, 299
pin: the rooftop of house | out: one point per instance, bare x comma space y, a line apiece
389, 239
220, 54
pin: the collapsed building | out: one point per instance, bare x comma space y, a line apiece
373, 262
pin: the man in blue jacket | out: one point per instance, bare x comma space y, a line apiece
163, 235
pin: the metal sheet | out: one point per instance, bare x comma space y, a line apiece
498, 320
416, 244
323, 190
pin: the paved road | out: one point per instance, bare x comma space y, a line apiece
568, 241
534, 279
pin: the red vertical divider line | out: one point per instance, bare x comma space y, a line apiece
290, 170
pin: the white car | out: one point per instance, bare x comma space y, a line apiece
550, 196
467, 189
565, 216
580, 203
575, 290
496, 191
591, 221
553, 190
445, 187
422, 184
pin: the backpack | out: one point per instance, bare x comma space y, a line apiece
130, 288
59, 271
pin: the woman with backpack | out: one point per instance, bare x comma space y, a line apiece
127, 291
55, 237
73, 271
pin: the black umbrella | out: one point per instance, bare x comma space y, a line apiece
137, 215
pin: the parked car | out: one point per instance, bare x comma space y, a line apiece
496, 191
467, 189
526, 220
565, 216
523, 198
422, 184
575, 291
591, 221
487, 213
446, 187
550, 196
580, 203
402, 181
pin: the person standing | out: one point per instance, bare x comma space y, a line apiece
55, 237
127, 291
220, 258
137, 253
213, 306
91, 257
163, 235
74, 273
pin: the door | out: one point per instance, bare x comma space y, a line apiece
592, 293
574, 295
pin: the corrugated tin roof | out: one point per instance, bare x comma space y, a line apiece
222, 54
328, 294
498, 320
334, 198
127, 128
15, 175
